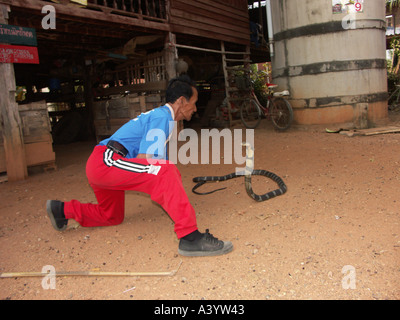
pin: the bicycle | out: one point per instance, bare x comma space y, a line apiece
278, 109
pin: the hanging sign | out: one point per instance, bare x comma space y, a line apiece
18, 54
17, 35
347, 6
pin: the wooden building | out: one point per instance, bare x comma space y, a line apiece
103, 61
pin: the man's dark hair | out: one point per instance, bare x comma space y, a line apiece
178, 87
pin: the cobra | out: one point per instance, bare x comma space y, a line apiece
247, 173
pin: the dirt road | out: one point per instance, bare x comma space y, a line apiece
334, 235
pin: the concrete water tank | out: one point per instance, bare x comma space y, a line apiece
332, 59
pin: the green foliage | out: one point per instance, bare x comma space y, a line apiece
395, 45
393, 66
390, 4
259, 80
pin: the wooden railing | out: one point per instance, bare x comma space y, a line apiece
141, 9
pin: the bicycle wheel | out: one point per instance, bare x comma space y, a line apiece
281, 113
250, 113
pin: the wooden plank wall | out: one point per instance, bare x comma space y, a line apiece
225, 20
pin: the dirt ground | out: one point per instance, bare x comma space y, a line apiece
334, 235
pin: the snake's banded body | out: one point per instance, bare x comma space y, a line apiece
247, 173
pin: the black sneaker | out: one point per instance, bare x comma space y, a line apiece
55, 211
206, 245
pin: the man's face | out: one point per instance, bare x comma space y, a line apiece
189, 106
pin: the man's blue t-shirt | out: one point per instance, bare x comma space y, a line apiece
147, 134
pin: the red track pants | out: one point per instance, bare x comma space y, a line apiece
110, 174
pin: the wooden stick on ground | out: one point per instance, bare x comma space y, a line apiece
90, 274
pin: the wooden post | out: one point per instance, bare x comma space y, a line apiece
13, 140
171, 56
227, 86
88, 94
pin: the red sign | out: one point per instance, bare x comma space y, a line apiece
18, 54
